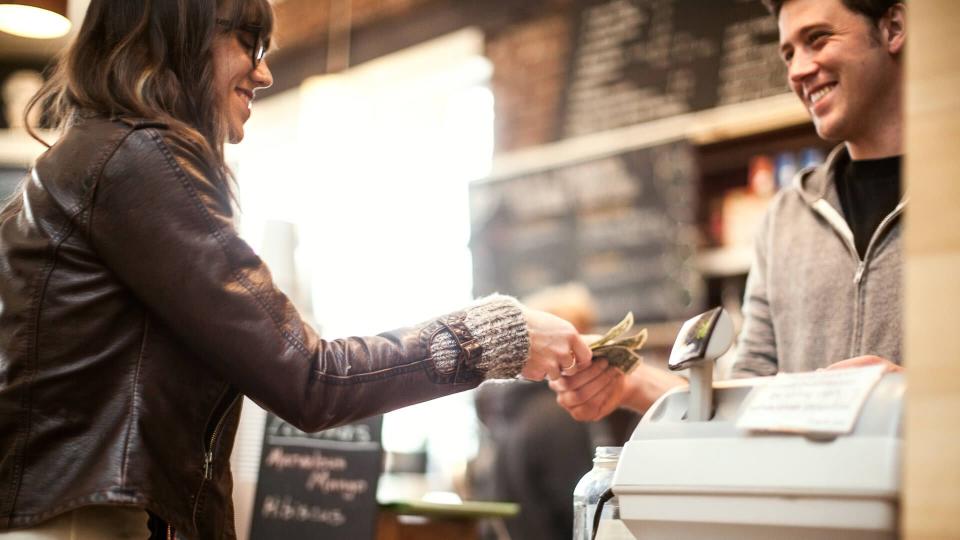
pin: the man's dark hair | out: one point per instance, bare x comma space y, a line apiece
872, 9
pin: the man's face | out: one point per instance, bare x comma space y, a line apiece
839, 66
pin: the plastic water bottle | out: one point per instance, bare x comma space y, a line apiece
590, 488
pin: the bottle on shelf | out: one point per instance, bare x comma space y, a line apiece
786, 169
761, 177
811, 156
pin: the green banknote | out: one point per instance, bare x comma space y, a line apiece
620, 350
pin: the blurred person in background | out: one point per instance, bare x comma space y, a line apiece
824, 290
133, 317
519, 459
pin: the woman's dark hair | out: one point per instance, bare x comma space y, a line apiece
872, 9
149, 59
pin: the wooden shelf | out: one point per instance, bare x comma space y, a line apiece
701, 128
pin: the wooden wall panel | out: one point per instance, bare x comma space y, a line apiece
931, 504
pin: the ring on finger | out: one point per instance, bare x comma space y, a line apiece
573, 362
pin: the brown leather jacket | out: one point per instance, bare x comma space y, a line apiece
132, 318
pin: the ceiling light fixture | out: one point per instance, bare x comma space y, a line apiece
41, 19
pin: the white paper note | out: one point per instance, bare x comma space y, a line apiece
822, 402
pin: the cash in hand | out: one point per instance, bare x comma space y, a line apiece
620, 352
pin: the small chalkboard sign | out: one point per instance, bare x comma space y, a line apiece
318, 485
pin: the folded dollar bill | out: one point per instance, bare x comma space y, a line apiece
619, 351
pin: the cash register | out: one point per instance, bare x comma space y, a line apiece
813, 456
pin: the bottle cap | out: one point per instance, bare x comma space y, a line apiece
608, 452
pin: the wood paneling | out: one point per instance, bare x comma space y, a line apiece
931, 503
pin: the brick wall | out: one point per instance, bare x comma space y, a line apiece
304, 21
530, 62
527, 42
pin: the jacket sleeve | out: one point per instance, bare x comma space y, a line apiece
164, 228
756, 345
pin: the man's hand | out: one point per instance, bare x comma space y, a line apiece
863, 361
591, 394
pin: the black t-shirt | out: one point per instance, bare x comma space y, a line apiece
869, 190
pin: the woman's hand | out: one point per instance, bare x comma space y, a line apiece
556, 348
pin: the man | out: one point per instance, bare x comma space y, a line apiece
825, 282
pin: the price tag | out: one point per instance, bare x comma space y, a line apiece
821, 402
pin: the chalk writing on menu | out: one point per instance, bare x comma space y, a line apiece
317, 485
640, 60
622, 225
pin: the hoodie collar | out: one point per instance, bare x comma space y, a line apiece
820, 182
815, 183
818, 187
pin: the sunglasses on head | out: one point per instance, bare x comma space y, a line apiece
258, 47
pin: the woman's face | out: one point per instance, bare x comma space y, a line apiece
235, 78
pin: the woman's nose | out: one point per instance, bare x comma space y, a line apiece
261, 75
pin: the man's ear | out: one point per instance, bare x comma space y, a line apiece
893, 28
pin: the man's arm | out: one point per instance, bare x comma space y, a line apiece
756, 345
600, 389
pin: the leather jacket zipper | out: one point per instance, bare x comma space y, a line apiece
220, 412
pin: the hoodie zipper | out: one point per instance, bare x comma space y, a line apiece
220, 412
881, 228
839, 224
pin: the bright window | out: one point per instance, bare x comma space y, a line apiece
371, 167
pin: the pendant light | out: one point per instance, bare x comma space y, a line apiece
41, 19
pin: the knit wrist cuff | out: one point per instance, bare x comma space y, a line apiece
498, 326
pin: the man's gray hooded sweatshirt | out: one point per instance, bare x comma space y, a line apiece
810, 300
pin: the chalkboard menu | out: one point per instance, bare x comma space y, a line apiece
623, 225
640, 60
317, 485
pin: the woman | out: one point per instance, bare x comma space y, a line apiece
132, 317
